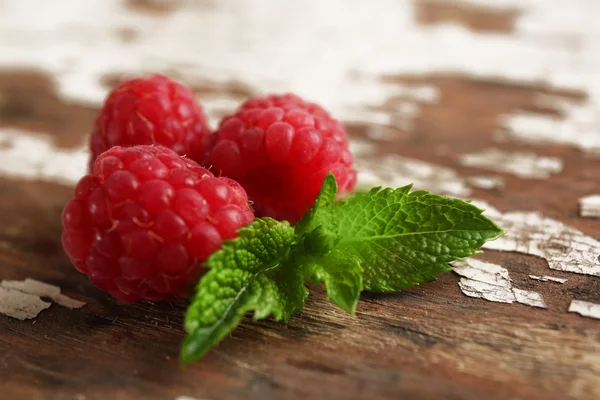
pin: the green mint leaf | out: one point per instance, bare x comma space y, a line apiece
247, 274
342, 275
318, 233
322, 212
403, 239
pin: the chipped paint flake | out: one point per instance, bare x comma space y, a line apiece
397, 171
546, 278
68, 302
585, 308
34, 157
529, 298
488, 182
189, 398
521, 164
41, 289
492, 282
19, 305
589, 206
528, 232
34, 287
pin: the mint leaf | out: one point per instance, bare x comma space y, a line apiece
342, 275
318, 233
403, 239
247, 274
321, 214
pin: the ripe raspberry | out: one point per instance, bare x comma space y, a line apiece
141, 225
151, 110
280, 148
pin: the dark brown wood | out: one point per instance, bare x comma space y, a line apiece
430, 342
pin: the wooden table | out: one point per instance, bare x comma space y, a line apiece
430, 342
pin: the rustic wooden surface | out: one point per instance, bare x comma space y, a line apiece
430, 342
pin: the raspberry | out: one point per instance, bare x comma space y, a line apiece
143, 222
280, 148
151, 110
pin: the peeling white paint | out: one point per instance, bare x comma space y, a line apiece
492, 282
589, 206
585, 308
303, 51
547, 278
529, 298
35, 288
28, 156
19, 305
299, 51
189, 398
521, 164
578, 130
68, 302
563, 247
488, 182
397, 171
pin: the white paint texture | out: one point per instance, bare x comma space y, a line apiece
189, 398
488, 182
23, 299
546, 278
305, 50
589, 206
521, 164
20, 305
581, 128
565, 248
585, 308
299, 51
42, 289
396, 171
27, 156
492, 282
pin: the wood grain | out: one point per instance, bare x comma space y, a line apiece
430, 342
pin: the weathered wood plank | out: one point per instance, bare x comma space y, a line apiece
428, 342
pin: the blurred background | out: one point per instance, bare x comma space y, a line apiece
459, 83
458, 96
518, 70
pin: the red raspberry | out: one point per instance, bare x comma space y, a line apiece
141, 225
151, 110
280, 148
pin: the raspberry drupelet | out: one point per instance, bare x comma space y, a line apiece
151, 110
280, 148
143, 222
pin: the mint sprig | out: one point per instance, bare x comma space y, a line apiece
380, 241
247, 274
